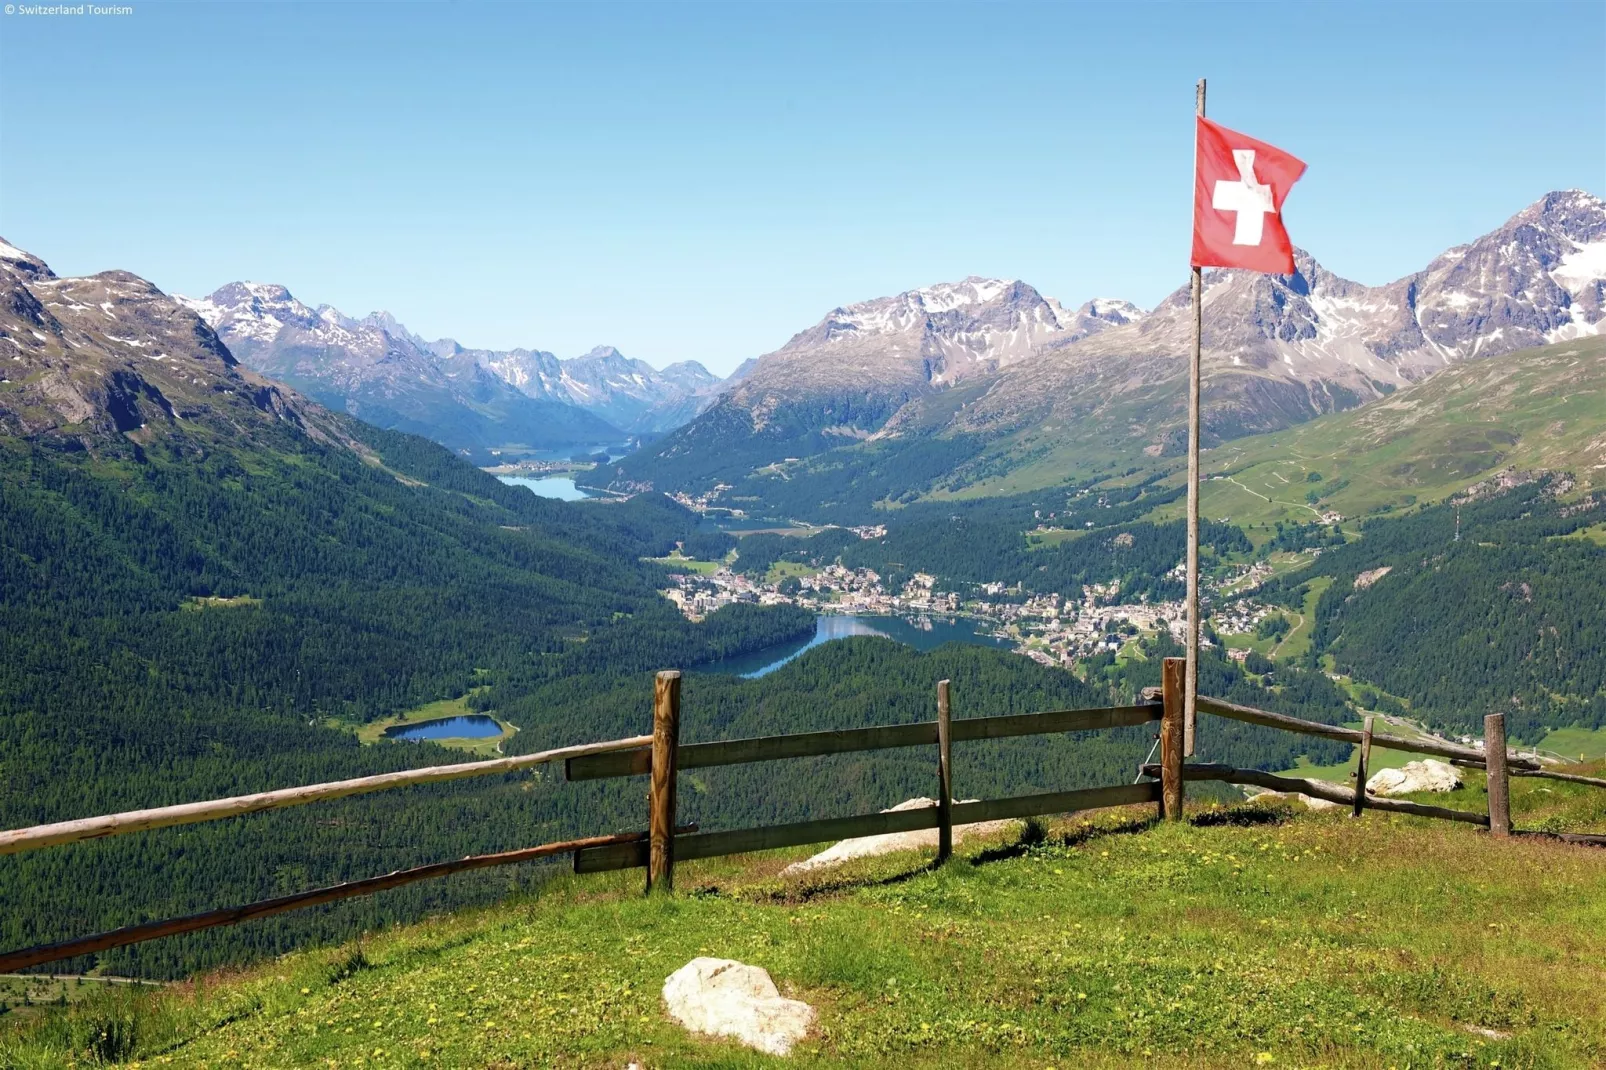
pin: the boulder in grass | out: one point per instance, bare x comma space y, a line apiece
1426, 775
869, 846
1312, 802
725, 998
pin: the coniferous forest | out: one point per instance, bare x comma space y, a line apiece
197, 618
205, 615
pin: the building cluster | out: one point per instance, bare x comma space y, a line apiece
1050, 628
708, 499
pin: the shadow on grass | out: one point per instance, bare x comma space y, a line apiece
1033, 835
849, 884
1245, 816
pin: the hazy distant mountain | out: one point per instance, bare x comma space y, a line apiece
996, 363
378, 371
626, 392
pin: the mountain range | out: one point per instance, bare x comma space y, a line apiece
1012, 381
110, 354
470, 399
1010, 388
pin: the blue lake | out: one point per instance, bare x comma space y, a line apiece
566, 453
470, 726
921, 633
560, 487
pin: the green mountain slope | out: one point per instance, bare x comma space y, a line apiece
206, 581
1537, 409
1492, 606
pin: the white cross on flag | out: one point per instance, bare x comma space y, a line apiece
1239, 188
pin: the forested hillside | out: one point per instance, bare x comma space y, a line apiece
196, 618
1488, 605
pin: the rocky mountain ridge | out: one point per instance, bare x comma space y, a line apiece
376, 368
378, 371
996, 361
86, 361
629, 393
1280, 349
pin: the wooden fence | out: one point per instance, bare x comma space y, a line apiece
661, 756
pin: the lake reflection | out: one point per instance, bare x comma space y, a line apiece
469, 726
921, 633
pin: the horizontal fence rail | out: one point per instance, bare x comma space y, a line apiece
1319, 789
744, 841
638, 761
211, 919
1250, 715
90, 828
669, 841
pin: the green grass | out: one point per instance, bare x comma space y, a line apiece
1256, 936
1297, 641
1595, 533
782, 570
1382, 758
374, 731
1296, 644
1571, 742
1540, 408
33, 994
688, 564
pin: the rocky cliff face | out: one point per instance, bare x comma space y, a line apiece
109, 357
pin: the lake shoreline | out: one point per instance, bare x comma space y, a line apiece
922, 633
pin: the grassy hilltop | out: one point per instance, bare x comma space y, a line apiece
1250, 936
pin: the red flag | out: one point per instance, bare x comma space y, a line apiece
1238, 192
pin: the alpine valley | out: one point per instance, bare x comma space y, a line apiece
231, 559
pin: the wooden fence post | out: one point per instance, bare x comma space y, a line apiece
945, 784
1360, 768
1494, 755
1173, 680
661, 799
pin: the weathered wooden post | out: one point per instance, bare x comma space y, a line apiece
1173, 681
661, 798
1360, 769
1494, 757
945, 784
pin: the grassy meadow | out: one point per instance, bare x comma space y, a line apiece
1250, 936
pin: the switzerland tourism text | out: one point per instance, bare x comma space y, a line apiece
69, 9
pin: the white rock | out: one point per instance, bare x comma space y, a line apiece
726, 998
1311, 802
1426, 775
868, 846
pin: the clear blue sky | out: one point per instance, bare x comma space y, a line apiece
703, 181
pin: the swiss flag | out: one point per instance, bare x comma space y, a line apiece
1238, 192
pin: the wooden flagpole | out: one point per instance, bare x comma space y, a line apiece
1191, 685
